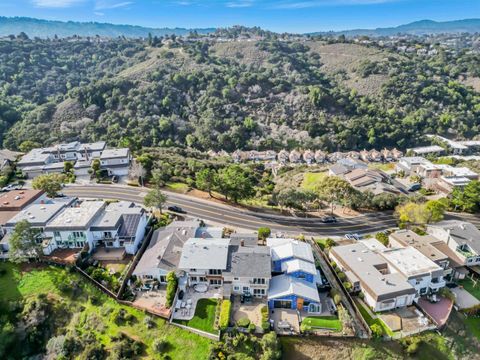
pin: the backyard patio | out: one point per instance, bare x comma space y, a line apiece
252, 311
285, 321
153, 301
184, 309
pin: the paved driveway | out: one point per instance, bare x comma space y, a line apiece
463, 299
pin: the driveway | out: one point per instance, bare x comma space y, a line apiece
463, 299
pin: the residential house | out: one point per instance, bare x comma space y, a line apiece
99, 225
120, 225
352, 163
164, 251
364, 177
428, 170
248, 270
320, 156
38, 216
387, 155
204, 260
295, 156
8, 157
396, 154
456, 148
461, 237
116, 161
384, 288
336, 156
365, 155
338, 170
294, 285
446, 184
33, 162
427, 150
238, 156
308, 156
433, 248
14, 201
410, 164
283, 156
422, 273
375, 155
353, 155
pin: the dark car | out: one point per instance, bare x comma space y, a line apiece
176, 209
115, 179
328, 219
415, 187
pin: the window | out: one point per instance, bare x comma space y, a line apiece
215, 282
107, 234
163, 278
148, 277
259, 281
56, 234
193, 278
215, 272
236, 288
236, 279
258, 291
202, 279
423, 291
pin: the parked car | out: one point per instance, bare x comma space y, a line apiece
328, 219
352, 237
12, 187
415, 187
176, 209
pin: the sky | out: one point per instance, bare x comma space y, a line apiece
296, 16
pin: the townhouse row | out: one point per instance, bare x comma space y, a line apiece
282, 272
51, 159
413, 266
67, 223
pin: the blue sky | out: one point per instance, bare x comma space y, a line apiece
276, 15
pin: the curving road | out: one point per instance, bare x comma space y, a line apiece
246, 219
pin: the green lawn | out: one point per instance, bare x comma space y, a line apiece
370, 321
178, 187
321, 322
311, 179
204, 317
95, 318
469, 285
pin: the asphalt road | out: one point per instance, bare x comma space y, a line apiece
246, 219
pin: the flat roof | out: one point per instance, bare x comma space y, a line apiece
18, 199
95, 146
366, 265
295, 265
427, 149
411, 262
34, 156
204, 254
37, 214
115, 153
80, 217
423, 243
111, 217
414, 160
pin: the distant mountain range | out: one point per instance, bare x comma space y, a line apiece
47, 28
422, 27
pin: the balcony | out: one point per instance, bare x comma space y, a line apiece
437, 284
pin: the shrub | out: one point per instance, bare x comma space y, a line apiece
347, 285
149, 322
382, 237
342, 276
243, 322
225, 310
160, 345
335, 295
172, 283
377, 330
265, 326
251, 328
333, 264
264, 233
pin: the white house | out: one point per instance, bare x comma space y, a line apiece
116, 161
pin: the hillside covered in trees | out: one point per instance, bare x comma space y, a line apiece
256, 91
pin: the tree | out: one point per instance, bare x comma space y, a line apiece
382, 237
23, 243
96, 167
377, 330
421, 214
206, 180
235, 183
264, 233
50, 183
156, 199
137, 172
28, 145
67, 166
333, 189
468, 198
294, 198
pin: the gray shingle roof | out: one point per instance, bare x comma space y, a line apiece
204, 254
249, 262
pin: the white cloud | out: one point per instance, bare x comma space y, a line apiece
56, 3
98, 13
240, 4
287, 4
109, 4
